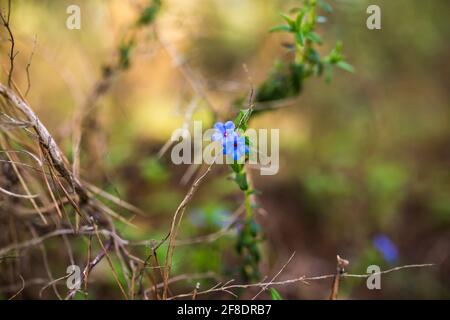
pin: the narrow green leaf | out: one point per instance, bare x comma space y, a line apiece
300, 38
281, 28
314, 37
289, 21
148, 14
345, 66
241, 121
313, 56
298, 21
125, 50
275, 294
326, 6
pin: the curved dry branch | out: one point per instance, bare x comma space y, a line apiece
46, 140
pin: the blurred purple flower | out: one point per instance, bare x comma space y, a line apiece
386, 247
218, 217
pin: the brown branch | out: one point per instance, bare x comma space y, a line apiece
20, 290
89, 267
182, 277
303, 279
341, 264
47, 142
27, 68
56, 233
12, 55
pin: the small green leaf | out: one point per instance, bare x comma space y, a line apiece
281, 28
314, 37
275, 294
298, 20
125, 54
299, 37
345, 66
241, 121
289, 21
313, 56
326, 6
148, 14
254, 228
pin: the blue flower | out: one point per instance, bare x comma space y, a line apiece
386, 247
235, 147
223, 132
232, 143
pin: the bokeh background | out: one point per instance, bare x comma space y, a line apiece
362, 158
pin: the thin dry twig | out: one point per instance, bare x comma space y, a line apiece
303, 279
27, 68
182, 277
20, 290
176, 220
275, 276
89, 268
116, 277
46, 263
6, 23
21, 179
88, 230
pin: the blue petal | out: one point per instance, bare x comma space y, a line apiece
216, 136
219, 127
229, 144
230, 134
229, 125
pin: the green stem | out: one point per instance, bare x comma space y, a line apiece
312, 13
248, 197
248, 206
